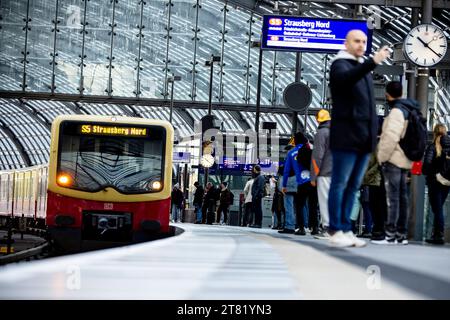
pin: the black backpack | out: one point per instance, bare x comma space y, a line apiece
304, 156
414, 142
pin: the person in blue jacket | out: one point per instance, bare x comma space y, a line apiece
305, 190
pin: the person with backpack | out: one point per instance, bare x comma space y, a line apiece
436, 167
298, 159
395, 163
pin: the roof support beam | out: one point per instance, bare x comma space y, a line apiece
148, 102
34, 113
238, 117
186, 117
16, 142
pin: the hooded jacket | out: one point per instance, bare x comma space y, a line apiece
302, 175
394, 129
354, 120
321, 164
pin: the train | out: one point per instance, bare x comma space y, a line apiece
108, 179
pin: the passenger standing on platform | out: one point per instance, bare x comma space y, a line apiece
177, 203
198, 199
373, 180
205, 203
258, 186
395, 165
433, 164
353, 131
289, 194
209, 203
305, 191
321, 168
248, 212
224, 205
277, 207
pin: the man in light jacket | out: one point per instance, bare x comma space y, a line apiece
395, 164
248, 215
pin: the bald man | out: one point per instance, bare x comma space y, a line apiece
353, 131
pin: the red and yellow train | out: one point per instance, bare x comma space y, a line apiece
108, 179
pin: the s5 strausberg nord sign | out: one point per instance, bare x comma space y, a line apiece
291, 33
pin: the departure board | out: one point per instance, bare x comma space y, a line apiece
291, 33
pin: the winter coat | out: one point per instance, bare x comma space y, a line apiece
258, 186
198, 195
301, 174
225, 197
321, 161
177, 197
373, 173
248, 191
431, 163
394, 129
354, 120
278, 201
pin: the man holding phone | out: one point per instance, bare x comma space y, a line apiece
353, 131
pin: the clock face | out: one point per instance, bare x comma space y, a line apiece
425, 45
207, 160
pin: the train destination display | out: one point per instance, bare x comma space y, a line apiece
290, 33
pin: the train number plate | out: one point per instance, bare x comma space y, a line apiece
108, 206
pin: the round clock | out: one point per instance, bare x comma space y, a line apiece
425, 45
207, 160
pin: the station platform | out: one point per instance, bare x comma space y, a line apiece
234, 263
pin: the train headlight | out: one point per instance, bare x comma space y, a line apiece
64, 179
156, 185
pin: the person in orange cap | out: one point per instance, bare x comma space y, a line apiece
321, 168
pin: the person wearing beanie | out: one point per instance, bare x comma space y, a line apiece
321, 167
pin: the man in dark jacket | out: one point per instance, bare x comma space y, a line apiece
177, 203
224, 204
257, 195
198, 199
353, 131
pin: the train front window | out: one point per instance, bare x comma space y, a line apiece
127, 163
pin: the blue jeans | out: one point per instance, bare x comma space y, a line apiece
397, 199
176, 213
349, 168
289, 211
198, 211
437, 194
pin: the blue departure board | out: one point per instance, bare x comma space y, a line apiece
291, 33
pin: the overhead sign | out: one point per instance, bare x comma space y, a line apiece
181, 157
291, 33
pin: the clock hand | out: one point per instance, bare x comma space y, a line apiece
423, 42
438, 54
